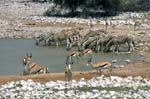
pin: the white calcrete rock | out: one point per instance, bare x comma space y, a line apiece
94, 96
50, 84
29, 89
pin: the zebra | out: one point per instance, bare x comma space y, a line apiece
73, 40
40, 39
102, 41
87, 43
44, 40
51, 39
117, 41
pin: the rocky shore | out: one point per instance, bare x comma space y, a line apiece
99, 87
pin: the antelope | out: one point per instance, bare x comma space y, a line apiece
32, 68
77, 54
69, 59
39, 69
100, 66
87, 51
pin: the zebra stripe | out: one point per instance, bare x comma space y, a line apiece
73, 40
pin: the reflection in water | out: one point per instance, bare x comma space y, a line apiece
12, 52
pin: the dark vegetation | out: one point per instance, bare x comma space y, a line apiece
86, 8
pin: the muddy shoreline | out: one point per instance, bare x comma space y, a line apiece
137, 69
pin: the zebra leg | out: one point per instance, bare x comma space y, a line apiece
131, 47
117, 48
57, 43
113, 48
97, 48
102, 47
69, 47
37, 42
84, 44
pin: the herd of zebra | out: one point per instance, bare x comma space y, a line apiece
95, 40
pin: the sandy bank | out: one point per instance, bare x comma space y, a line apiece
137, 69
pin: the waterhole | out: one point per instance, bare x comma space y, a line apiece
12, 52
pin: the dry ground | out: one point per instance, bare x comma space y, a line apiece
118, 30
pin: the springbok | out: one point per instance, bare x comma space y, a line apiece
77, 54
72, 54
32, 68
87, 51
100, 66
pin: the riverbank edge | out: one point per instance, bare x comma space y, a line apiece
43, 78
134, 69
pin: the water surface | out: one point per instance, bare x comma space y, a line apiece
12, 52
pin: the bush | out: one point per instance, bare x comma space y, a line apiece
94, 8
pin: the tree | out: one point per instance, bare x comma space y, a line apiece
71, 4
111, 6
